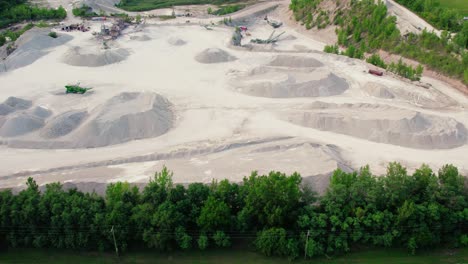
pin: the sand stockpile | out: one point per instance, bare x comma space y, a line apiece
328, 86
176, 41
378, 90
287, 82
77, 56
63, 124
294, 62
214, 55
385, 125
288, 76
125, 117
12, 104
32, 45
20, 124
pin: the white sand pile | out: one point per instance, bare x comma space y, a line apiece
378, 90
20, 124
214, 55
385, 125
174, 41
294, 62
32, 45
77, 56
328, 86
125, 117
12, 104
63, 124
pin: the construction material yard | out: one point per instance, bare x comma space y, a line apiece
174, 93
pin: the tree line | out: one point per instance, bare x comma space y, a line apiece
365, 27
14, 11
276, 214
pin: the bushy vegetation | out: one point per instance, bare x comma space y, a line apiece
377, 61
275, 213
405, 70
224, 10
14, 35
84, 11
14, 11
365, 27
332, 49
53, 34
145, 5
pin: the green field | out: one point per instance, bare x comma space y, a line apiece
231, 257
459, 5
145, 5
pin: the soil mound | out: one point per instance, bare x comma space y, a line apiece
63, 124
294, 62
76, 56
214, 55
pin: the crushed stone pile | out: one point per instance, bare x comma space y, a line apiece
76, 56
63, 124
328, 86
392, 126
12, 104
18, 124
125, 117
214, 55
31, 46
288, 76
41, 112
176, 41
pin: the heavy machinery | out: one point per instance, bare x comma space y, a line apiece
269, 40
76, 89
273, 23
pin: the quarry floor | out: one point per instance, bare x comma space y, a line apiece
176, 94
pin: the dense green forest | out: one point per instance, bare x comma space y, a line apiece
365, 27
275, 213
14, 11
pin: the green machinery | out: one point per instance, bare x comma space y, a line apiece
76, 89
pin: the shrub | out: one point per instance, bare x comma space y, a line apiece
377, 61
331, 49
53, 34
203, 242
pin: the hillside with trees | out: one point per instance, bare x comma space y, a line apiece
364, 27
14, 11
275, 214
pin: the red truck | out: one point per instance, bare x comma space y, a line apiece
376, 72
